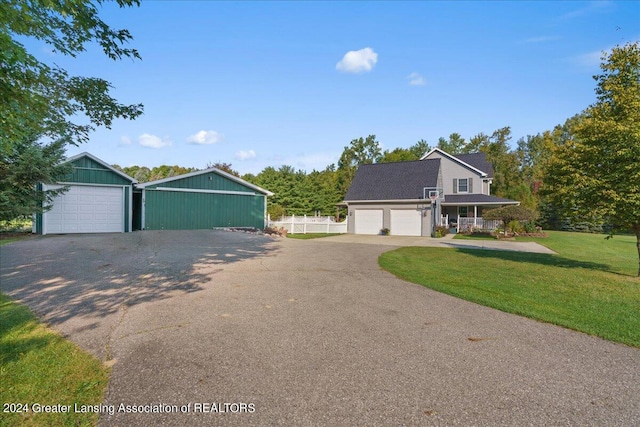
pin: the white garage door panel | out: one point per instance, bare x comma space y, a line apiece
368, 221
406, 222
86, 209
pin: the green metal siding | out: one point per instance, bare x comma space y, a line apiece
173, 210
88, 171
207, 181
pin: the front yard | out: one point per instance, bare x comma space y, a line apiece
590, 286
40, 367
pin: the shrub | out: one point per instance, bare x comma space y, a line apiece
441, 231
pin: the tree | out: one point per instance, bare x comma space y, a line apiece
359, 152
454, 145
598, 173
510, 213
507, 180
415, 152
225, 167
44, 100
24, 164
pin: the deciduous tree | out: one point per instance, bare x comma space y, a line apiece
599, 171
43, 99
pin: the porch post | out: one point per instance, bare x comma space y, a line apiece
475, 215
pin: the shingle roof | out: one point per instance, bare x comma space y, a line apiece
394, 181
455, 199
478, 161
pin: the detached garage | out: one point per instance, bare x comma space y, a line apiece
204, 199
98, 199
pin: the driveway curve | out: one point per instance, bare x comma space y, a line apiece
239, 329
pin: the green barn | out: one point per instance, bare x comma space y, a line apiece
98, 200
199, 200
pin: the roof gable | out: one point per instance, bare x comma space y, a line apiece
207, 179
394, 181
475, 157
87, 168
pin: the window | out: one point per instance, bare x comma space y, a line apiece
463, 185
463, 211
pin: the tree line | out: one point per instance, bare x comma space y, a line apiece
586, 169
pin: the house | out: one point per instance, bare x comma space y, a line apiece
411, 198
101, 199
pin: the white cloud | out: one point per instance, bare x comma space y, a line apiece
358, 61
245, 155
125, 140
416, 79
152, 141
205, 137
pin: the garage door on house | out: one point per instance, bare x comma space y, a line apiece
368, 221
405, 222
86, 209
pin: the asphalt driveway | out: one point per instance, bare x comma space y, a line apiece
289, 332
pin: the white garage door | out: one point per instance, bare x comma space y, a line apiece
368, 221
406, 222
86, 209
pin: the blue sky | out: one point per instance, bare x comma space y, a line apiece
259, 84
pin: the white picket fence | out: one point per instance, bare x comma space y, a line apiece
309, 224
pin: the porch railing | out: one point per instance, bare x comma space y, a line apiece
471, 223
478, 223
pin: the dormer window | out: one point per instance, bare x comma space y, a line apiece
463, 185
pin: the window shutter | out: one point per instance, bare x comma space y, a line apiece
470, 186
455, 185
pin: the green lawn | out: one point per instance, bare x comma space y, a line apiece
38, 366
311, 235
590, 286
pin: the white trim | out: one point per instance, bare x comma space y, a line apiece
210, 170
197, 190
88, 184
455, 159
266, 219
387, 201
479, 203
130, 209
102, 162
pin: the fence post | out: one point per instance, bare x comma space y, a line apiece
304, 225
328, 224
293, 224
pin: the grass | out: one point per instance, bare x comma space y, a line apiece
39, 366
590, 286
311, 235
6, 238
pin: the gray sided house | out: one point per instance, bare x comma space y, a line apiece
199, 200
412, 198
98, 200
